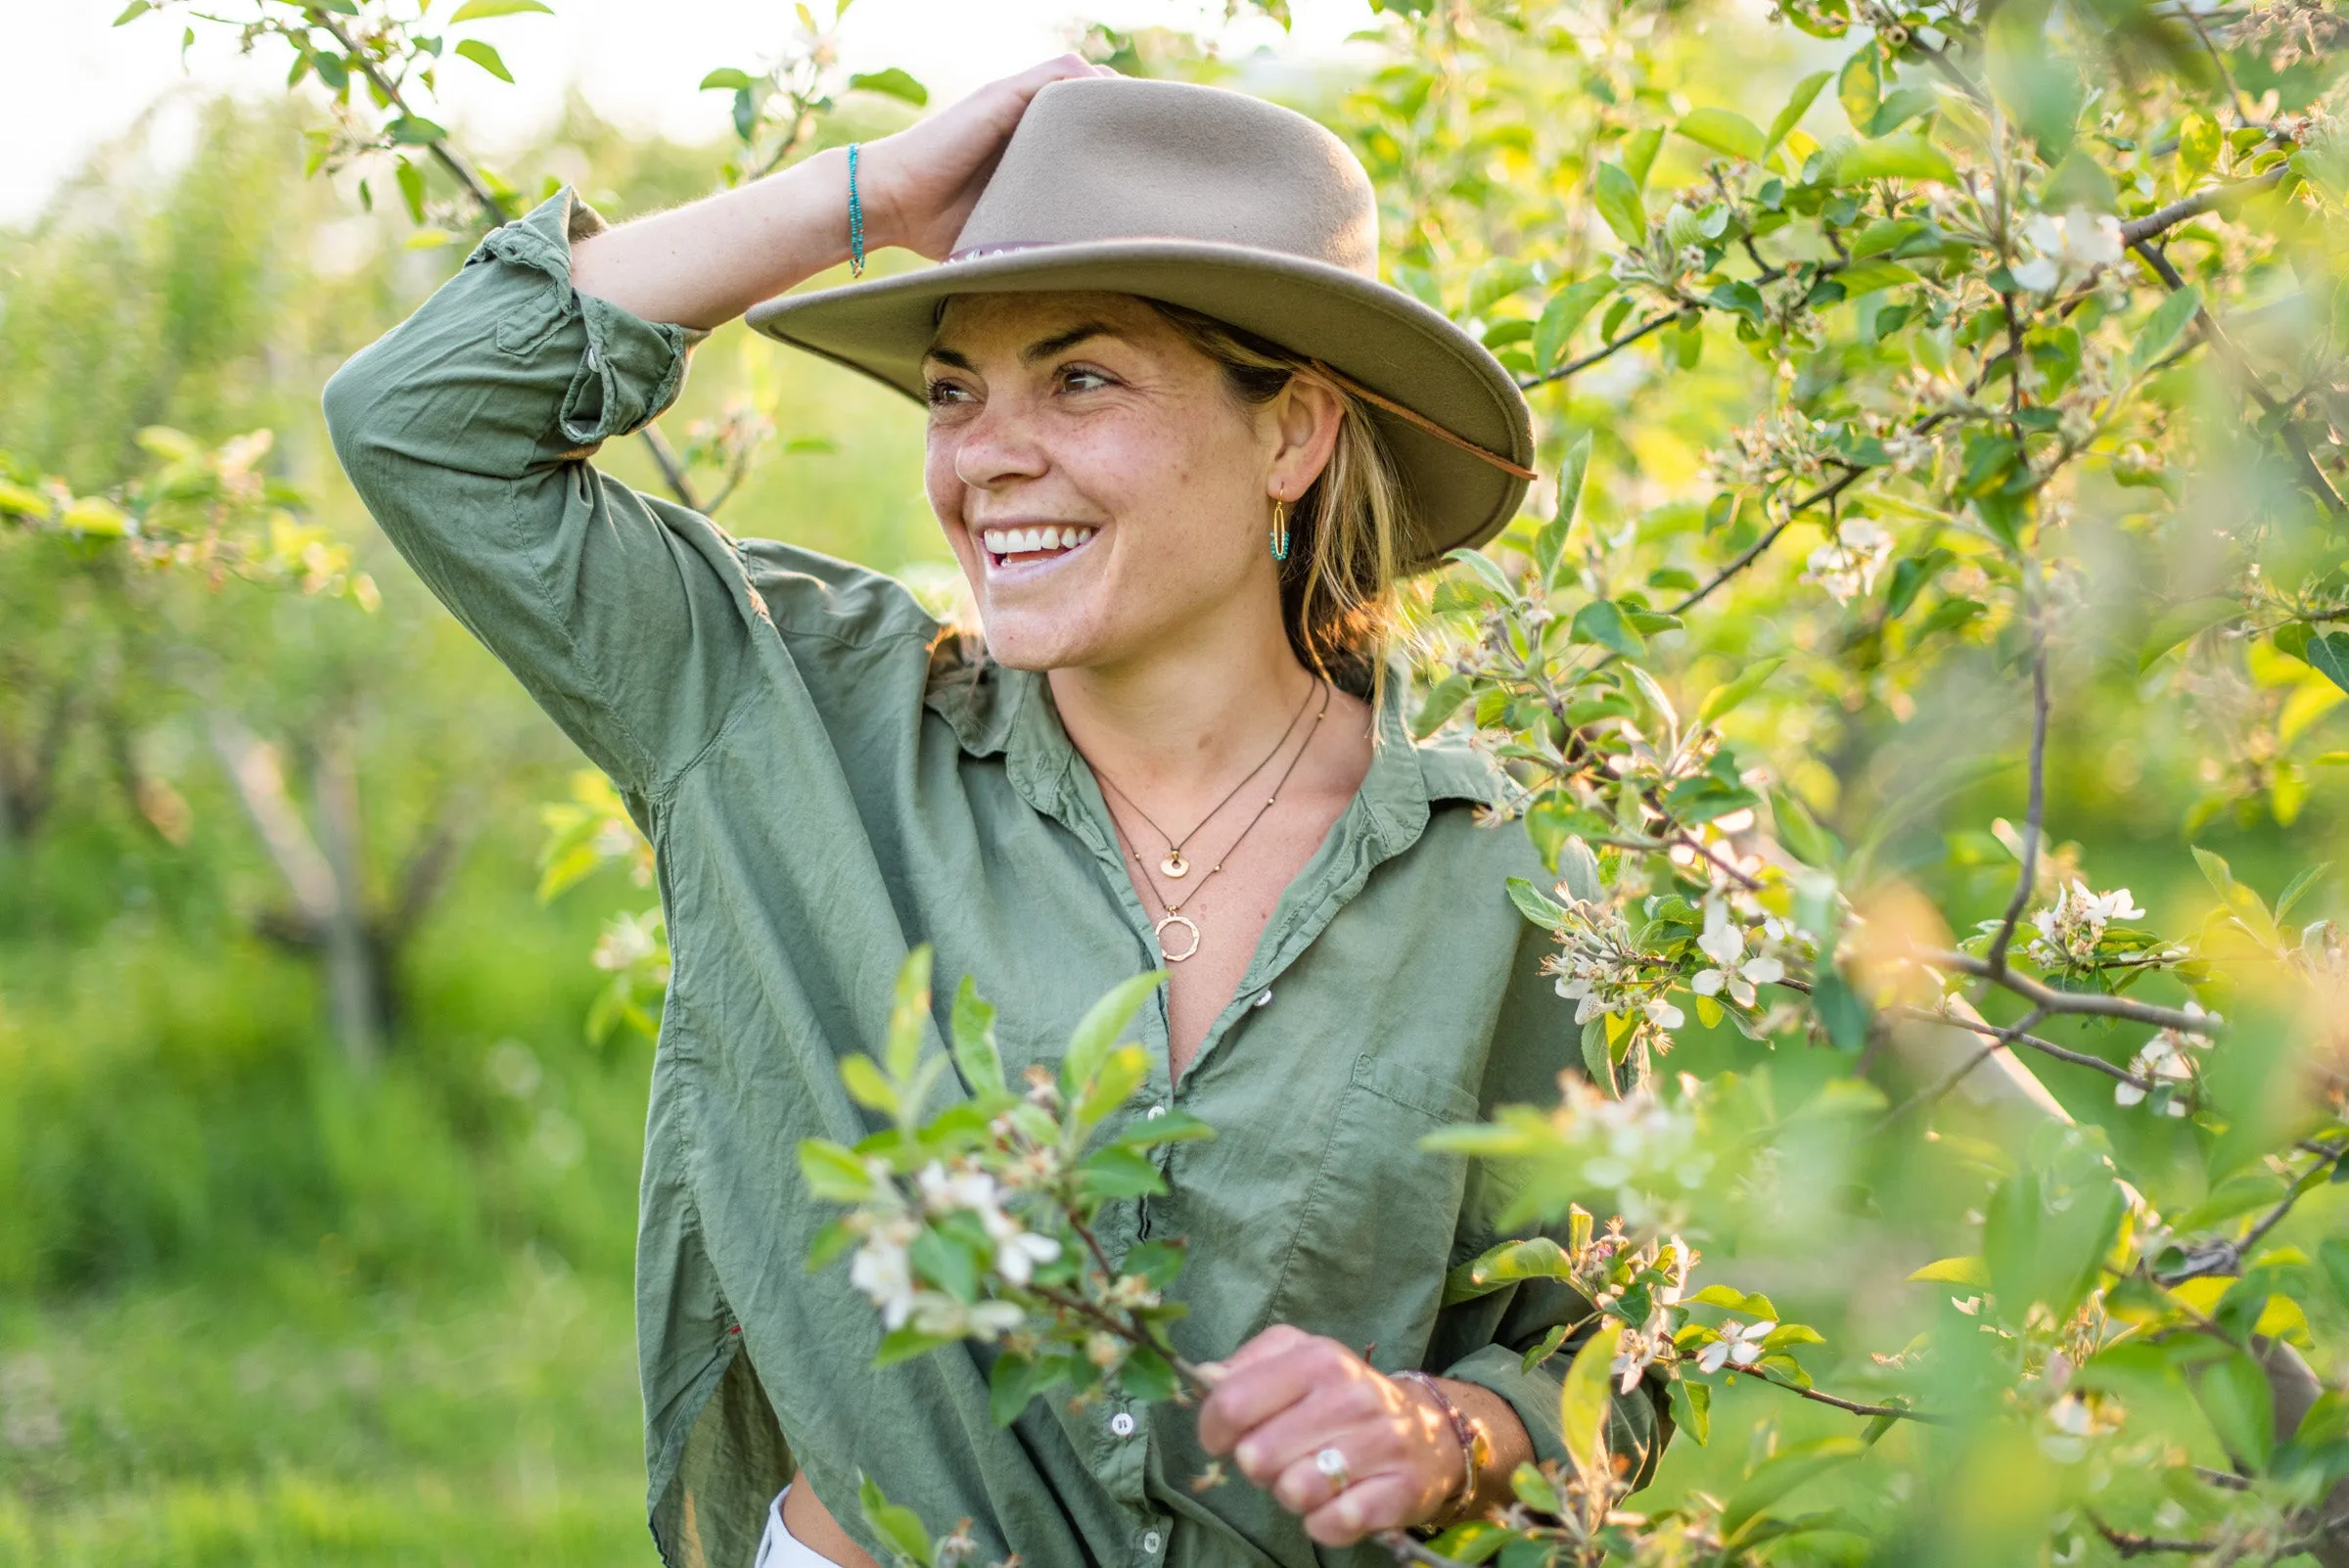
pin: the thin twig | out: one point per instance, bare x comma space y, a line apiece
2129, 1544
2164, 219
1616, 345
2229, 1257
2061, 1053
1903, 1412
673, 471
2093, 1004
2004, 1038
460, 168
2285, 427
1950, 68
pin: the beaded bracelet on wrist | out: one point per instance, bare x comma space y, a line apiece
1474, 1452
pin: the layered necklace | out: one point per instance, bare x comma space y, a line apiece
1176, 865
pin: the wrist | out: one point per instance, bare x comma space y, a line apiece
1465, 1451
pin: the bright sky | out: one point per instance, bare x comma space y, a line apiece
69, 80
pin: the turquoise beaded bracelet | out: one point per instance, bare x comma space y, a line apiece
856, 220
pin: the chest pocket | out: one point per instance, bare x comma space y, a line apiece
1374, 1233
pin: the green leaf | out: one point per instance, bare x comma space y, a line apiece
1549, 541
1536, 906
1892, 158
1112, 1085
1898, 107
1487, 570
867, 1085
891, 83
910, 1010
1724, 131
1618, 198
1789, 1469
1841, 1011
1866, 277
1802, 833
411, 190
133, 12
1798, 105
1639, 153
899, 1528
1097, 1033
975, 1049
2164, 327
1545, 1349
2297, 888
1955, 1271
1561, 315
2329, 655
1582, 1404
488, 59
2335, 1255
1012, 1383
947, 1264
484, 10
727, 78
1118, 1172
1146, 1375
2183, 622
2197, 148
414, 130
1538, 1258
834, 1173
1443, 699
1724, 698
1861, 87
1158, 1262
1692, 1411
1602, 622
2234, 1395
1168, 1126
1597, 1061
904, 1344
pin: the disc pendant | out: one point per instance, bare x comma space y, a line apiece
1160, 930
1174, 865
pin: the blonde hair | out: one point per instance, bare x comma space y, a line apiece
1338, 598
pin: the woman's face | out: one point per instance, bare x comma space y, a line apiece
1107, 497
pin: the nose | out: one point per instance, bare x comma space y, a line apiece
998, 446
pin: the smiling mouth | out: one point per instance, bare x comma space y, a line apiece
1027, 546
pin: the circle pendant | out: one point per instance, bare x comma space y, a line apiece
1174, 865
1160, 931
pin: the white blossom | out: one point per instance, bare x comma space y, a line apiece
2164, 1059
1739, 1345
2079, 241
1846, 566
883, 1271
1724, 943
2070, 930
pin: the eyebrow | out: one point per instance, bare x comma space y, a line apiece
1043, 349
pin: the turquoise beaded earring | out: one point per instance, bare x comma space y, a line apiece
1280, 529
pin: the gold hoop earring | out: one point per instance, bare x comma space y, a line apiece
1280, 529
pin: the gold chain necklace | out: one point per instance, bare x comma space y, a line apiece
1174, 915
1173, 863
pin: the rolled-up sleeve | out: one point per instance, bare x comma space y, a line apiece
468, 429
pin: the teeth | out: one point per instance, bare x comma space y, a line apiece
1032, 541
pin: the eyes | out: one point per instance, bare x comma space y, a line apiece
946, 391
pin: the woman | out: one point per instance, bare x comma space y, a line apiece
1182, 441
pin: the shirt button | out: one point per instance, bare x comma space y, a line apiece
1122, 1425
1151, 1541
1265, 999
1154, 1113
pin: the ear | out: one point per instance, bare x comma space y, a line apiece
1307, 416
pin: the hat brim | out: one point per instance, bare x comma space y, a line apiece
1373, 333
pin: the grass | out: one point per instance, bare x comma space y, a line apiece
298, 1419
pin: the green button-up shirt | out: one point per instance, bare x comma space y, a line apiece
827, 785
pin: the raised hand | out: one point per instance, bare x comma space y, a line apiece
919, 185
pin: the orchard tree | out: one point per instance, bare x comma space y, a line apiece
1944, 408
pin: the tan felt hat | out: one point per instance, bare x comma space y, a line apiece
1230, 206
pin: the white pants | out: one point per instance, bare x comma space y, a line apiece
780, 1549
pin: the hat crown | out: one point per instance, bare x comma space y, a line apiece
1116, 158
